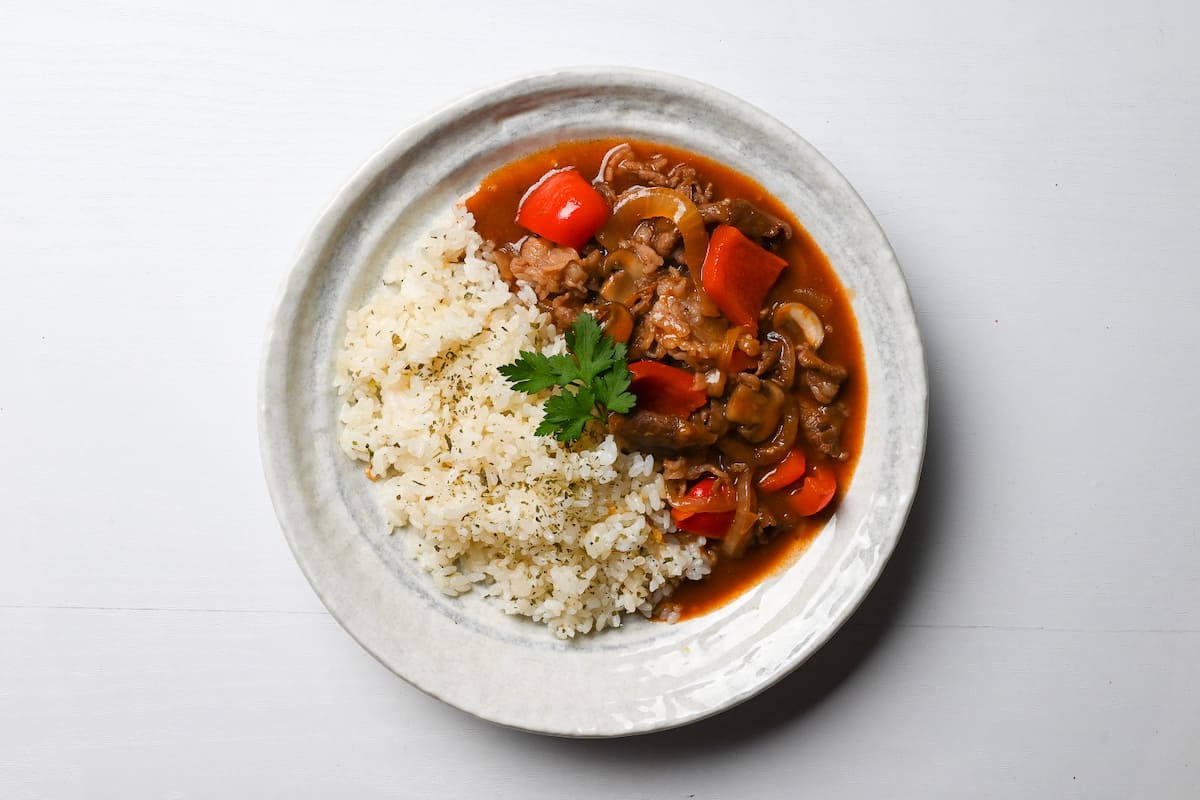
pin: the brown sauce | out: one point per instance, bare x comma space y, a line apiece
494, 206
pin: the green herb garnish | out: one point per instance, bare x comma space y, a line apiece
594, 378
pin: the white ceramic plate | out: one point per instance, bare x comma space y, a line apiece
642, 676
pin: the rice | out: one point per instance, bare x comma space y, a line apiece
571, 536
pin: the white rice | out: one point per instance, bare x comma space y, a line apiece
572, 536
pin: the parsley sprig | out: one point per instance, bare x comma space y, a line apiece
594, 378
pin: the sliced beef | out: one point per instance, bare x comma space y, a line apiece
823, 380
660, 235
685, 180
503, 257
659, 434
646, 254
644, 173
563, 309
679, 324
751, 220
823, 388
821, 426
624, 168
689, 468
664, 328
561, 278
550, 270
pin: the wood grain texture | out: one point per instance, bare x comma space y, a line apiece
1034, 167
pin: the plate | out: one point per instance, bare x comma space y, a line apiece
642, 676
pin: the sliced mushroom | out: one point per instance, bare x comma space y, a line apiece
619, 287
755, 407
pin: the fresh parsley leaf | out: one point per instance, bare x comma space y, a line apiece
583, 340
594, 379
567, 414
531, 373
566, 368
611, 391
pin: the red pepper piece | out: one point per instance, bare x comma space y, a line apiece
814, 494
564, 208
738, 274
784, 473
664, 389
711, 524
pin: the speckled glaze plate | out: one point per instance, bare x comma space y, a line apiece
642, 676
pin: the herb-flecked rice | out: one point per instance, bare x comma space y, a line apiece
572, 536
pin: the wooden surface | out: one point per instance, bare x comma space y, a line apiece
1038, 632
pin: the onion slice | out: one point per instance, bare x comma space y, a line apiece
745, 517
804, 319
641, 204
719, 501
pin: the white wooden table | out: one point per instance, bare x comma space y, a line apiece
1035, 165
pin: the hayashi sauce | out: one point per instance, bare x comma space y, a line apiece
808, 278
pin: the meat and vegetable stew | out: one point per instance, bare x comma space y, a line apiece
744, 369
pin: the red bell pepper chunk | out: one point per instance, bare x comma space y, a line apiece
564, 208
784, 473
711, 524
814, 494
664, 389
738, 274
